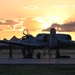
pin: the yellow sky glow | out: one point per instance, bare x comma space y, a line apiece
16, 15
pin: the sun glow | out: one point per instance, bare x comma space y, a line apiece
45, 25
48, 21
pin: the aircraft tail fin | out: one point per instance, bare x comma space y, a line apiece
52, 38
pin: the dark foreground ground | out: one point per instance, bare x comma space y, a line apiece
37, 69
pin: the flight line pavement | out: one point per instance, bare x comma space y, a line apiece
36, 61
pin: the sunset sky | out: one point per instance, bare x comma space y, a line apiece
35, 15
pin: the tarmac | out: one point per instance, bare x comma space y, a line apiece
36, 61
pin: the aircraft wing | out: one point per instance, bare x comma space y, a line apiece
34, 45
62, 43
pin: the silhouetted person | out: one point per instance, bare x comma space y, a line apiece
38, 55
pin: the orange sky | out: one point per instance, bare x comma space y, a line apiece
35, 15
25, 8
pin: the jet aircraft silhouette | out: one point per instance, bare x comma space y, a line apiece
42, 41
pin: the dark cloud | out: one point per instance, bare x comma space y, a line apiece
54, 25
67, 27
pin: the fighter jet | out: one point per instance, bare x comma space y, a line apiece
41, 41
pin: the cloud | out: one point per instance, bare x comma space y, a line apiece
60, 6
8, 22
11, 25
19, 25
35, 24
5, 28
32, 25
11, 22
1, 29
70, 19
68, 27
31, 7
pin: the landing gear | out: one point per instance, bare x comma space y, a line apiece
38, 55
10, 52
59, 56
24, 53
27, 53
57, 53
